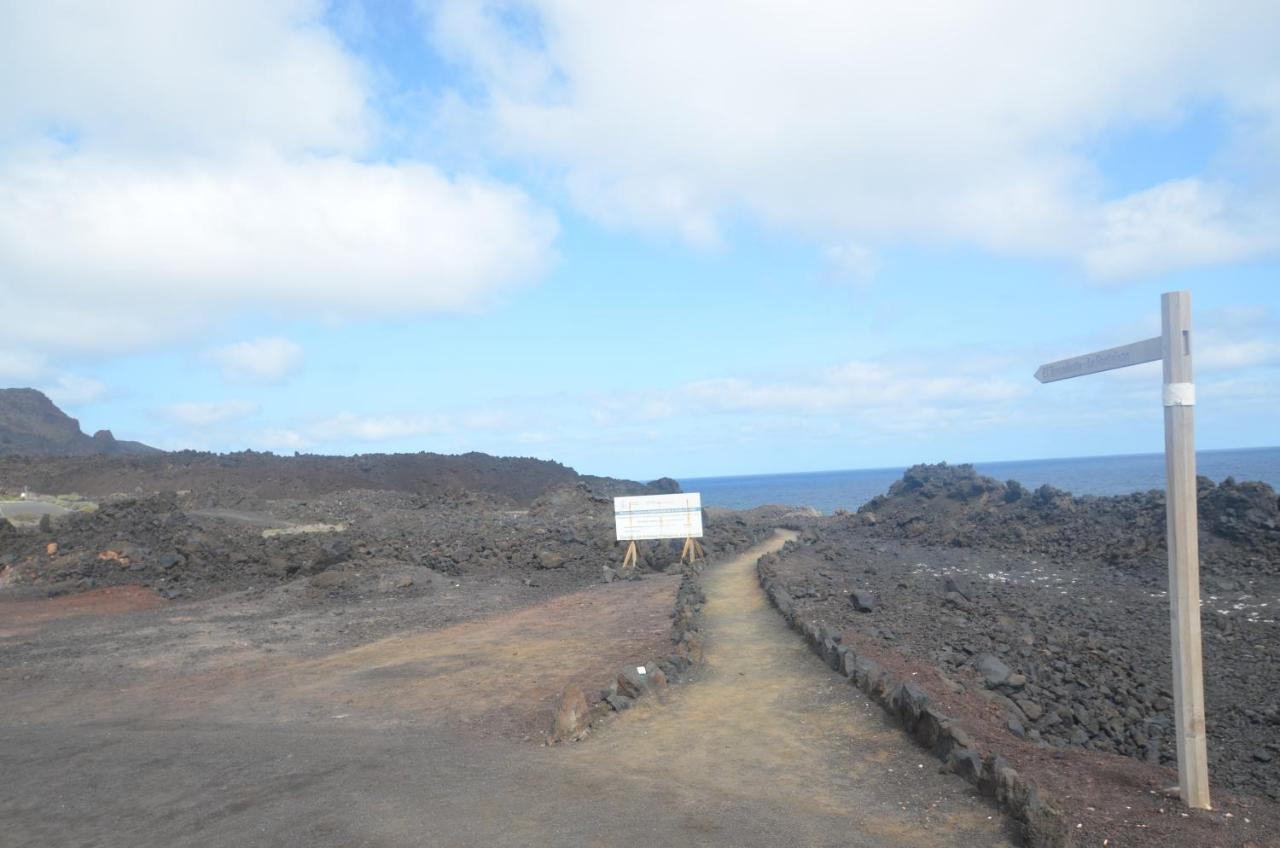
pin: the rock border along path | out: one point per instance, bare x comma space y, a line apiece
1040, 822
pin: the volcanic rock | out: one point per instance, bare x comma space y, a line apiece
572, 715
994, 672
862, 600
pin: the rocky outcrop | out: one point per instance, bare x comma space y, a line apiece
31, 425
953, 505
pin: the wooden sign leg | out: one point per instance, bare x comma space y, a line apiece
1184, 556
691, 551
629, 560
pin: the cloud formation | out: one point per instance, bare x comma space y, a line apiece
954, 123
200, 414
72, 390
260, 360
165, 165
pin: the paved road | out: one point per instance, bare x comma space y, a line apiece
767, 748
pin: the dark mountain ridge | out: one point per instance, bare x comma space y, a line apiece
32, 425
43, 448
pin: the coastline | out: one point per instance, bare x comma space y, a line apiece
1116, 474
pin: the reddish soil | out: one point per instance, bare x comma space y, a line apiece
499, 676
1114, 800
25, 616
111, 654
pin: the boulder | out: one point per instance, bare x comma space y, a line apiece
657, 681
993, 670
929, 727
550, 559
633, 683
861, 600
848, 662
967, 763
332, 552
572, 715
169, 559
867, 673
959, 584
1043, 824
1030, 708
909, 702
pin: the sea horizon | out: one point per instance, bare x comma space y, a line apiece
1110, 474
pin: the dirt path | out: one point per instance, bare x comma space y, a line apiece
772, 737
767, 748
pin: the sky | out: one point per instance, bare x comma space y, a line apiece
640, 238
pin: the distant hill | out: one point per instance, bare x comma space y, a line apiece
42, 447
223, 478
31, 425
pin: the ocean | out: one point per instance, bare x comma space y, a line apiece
1096, 475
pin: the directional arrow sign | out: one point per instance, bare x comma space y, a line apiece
1148, 350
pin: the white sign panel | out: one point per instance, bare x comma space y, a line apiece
658, 516
1147, 350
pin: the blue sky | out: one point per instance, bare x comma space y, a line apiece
638, 238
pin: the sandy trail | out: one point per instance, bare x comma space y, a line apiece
766, 748
771, 734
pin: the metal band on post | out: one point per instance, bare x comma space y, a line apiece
1179, 394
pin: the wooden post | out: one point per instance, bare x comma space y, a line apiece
1183, 543
691, 551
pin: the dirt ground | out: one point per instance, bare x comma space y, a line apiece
125, 720
123, 652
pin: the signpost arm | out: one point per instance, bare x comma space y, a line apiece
1183, 543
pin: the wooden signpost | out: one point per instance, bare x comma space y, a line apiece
1179, 395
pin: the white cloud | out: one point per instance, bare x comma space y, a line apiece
199, 77
21, 366
261, 360
1174, 225
277, 438
26, 368
381, 427
965, 123
163, 166
140, 252
208, 413
347, 426
870, 391
71, 390
1235, 339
